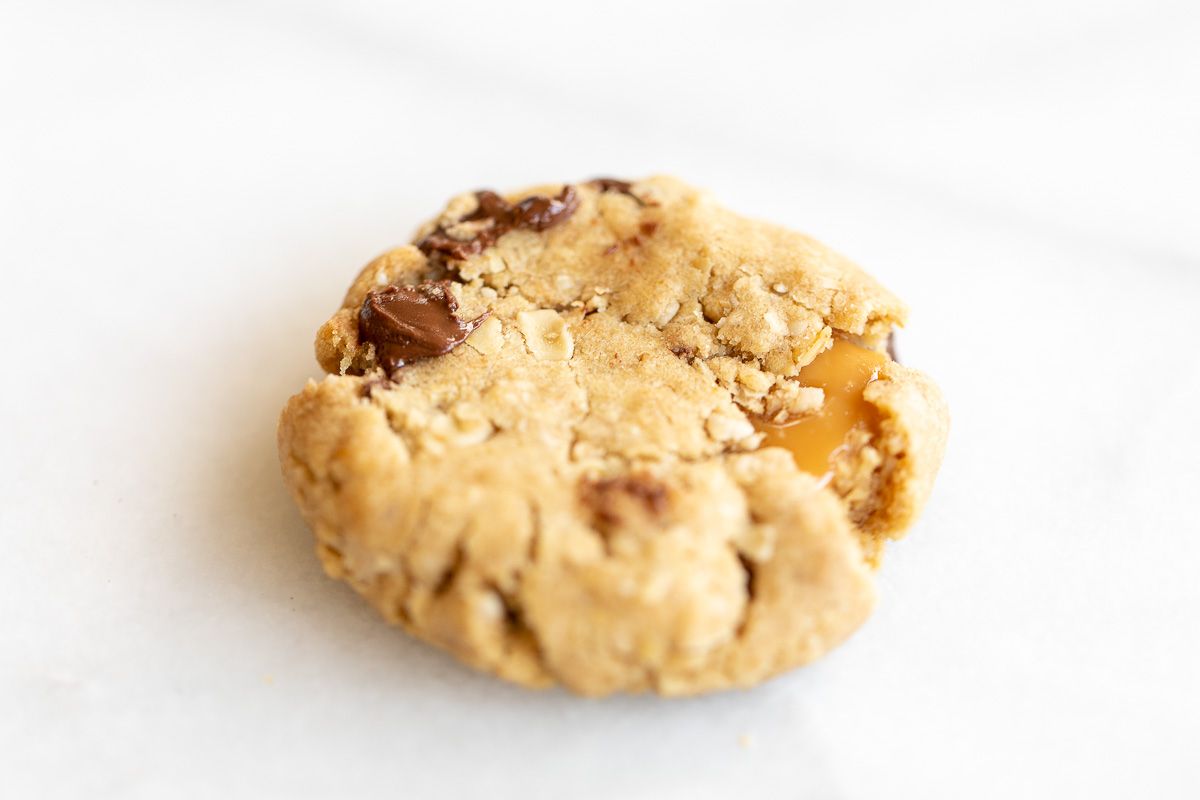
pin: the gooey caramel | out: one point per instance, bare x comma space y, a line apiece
842, 371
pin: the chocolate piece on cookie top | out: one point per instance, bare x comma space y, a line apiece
615, 185
612, 185
408, 323
468, 237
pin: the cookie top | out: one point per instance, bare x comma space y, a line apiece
541, 444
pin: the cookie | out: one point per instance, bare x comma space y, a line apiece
613, 436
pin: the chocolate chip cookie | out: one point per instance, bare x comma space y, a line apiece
613, 436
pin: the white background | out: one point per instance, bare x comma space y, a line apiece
188, 188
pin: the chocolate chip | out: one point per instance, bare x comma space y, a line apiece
536, 213
648, 228
891, 347
539, 213
438, 242
614, 185
491, 206
408, 323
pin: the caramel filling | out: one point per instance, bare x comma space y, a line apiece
842, 371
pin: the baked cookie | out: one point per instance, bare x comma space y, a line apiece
613, 436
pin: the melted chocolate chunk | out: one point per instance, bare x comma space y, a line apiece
491, 206
612, 185
539, 213
535, 213
408, 323
615, 185
438, 242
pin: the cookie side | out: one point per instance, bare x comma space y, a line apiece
735, 569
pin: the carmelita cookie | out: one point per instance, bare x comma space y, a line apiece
612, 435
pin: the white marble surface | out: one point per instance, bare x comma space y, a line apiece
187, 188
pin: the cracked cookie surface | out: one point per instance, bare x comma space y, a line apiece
569, 485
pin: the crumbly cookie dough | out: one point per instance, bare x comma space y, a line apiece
540, 444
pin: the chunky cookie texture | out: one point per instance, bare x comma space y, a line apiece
613, 436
